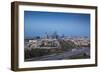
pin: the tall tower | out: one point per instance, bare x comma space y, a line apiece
46, 35
55, 35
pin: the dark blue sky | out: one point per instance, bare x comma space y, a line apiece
70, 24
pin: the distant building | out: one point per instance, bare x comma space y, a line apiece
44, 43
81, 42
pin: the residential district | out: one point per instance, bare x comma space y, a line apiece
55, 41
55, 47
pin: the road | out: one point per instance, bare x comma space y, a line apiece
63, 55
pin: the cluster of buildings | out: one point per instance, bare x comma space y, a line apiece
44, 43
50, 42
79, 41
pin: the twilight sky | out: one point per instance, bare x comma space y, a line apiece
70, 24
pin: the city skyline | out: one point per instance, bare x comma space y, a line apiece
70, 24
